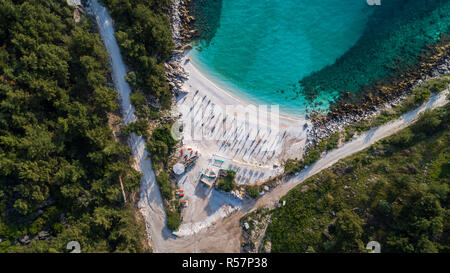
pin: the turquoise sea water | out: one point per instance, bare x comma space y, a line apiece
262, 49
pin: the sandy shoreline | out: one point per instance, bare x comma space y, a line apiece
251, 141
227, 95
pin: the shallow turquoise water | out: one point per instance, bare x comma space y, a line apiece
262, 49
266, 46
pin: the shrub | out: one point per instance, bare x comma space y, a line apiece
153, 114
164, 134
437, 85
227, 183
137, 98
312, 156
332, 141
421, 94
160, 145
428, 123
292, 166
139, 127
384, 117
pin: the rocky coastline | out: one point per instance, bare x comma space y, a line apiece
383, 96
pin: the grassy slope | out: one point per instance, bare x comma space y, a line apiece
395, 192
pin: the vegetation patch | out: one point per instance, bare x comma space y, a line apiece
160, 146
139, 127
252, 191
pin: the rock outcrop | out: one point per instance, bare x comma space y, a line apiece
344, 112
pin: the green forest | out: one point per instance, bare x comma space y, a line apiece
396, 192
60, 165
419, 95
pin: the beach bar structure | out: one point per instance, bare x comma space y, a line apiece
208, 177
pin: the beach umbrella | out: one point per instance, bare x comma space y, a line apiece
178, 168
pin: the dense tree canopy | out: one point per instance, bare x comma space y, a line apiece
60, 165
160, 145
396, 192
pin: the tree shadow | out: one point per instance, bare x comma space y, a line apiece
219, 198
